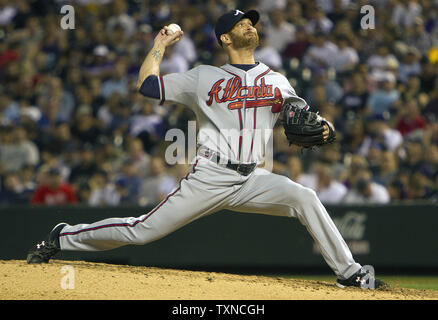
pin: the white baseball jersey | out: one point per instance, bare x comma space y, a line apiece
236, 109
228, 103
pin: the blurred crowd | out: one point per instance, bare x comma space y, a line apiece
73, 129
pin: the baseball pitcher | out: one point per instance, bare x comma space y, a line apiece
233, 104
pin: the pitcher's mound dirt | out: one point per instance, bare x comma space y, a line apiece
55, 280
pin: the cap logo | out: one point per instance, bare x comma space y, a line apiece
238, 12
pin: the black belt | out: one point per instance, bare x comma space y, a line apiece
243, 169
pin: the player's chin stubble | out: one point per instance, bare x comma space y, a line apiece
240, 42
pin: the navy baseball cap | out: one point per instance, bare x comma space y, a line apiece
227, 21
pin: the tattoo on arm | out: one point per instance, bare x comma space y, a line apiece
156, 54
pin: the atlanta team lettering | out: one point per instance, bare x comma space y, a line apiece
262, 95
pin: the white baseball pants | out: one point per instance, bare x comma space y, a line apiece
209, 188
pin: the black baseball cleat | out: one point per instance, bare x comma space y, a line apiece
361, 280
45, 250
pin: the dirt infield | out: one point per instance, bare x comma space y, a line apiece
104, 281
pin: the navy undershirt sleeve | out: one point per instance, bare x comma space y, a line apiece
151, 87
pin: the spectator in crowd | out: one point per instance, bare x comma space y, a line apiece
420, 187
294, 13
115, 114
405, 13
120, 17
380, 132
269, 5
353, 173
332, 155
130, 180
355, 100
336, 9
410, 65
186, 46
374, 157
100, 64
173, 62
12, 190
83, 192
323, 90
279, 32
321, 54
91, 95
157, 185
409, 118
319, 22
381, 59
412, 154
430, 161
16, 151
411, 89
122, 192
7, 13
346, 57
55, 103
140, 159
118, 81
387, 168
431, 109
147, 125
59, 139
353, 134
418, 37
9, 109
27, 180
366, 191
84, 127
293, 168
52, 191
103, 191
267, 54
109, 155
383, 99
396, 190
428, 77
87, 165
329, 190
298, 47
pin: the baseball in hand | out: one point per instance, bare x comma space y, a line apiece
172, 28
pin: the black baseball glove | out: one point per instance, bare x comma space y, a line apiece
305, 128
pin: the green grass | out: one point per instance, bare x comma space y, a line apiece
411, 282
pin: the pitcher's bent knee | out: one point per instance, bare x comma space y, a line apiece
306, 198
296, 194
300, 193
310, 195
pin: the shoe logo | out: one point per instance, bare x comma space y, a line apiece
39, 245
